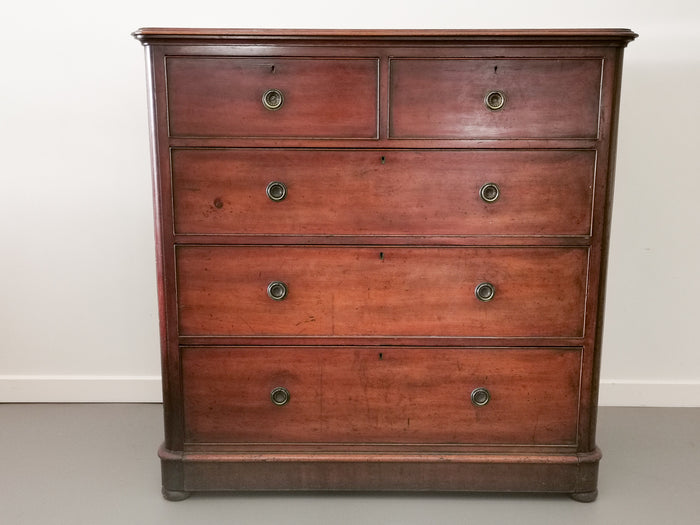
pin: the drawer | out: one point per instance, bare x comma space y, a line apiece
381, 291
224, 97
341, 192
541, 98
381, 395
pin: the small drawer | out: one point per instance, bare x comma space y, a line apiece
272, 97
495, 98
381, 291
526, 396
322, 192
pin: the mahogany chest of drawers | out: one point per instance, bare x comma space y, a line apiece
381, 256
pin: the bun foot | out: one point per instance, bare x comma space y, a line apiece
175, 495
584, 497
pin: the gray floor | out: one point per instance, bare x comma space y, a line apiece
96, 464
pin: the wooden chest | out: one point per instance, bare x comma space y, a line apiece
381, 256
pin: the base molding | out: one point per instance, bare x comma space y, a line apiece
574, 474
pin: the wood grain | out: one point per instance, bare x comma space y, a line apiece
218, 96
350, 291
385, 192
381, 338
381, 395
444, 98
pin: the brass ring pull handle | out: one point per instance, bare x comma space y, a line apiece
280, 396
273, 99
276, 191
495, 100
489, 192
484, 291
277, 290
480, 397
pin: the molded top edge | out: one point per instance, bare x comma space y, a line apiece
164, 35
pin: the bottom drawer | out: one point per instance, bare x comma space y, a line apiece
523, 396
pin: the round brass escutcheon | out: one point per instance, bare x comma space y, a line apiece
280, 396
276, 191
489, 192
484, 291
495, 100
277, 290
273, 99
480, 397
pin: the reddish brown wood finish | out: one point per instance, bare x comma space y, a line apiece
210, 97
385, 395
347, 291
444, 98
381, 257
385, 192
543, 472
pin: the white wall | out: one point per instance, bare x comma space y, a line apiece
77, 280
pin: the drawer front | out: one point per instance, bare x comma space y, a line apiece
381, 395
383, 192
223, 97
541, 98
381, 291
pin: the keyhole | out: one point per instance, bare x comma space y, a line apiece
495, 69
272, 68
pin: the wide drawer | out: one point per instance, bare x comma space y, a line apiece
531, 98
381, 395
356, 192
381, 291
227, 97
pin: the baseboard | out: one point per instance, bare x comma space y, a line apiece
80, 389
649, 393
147, 389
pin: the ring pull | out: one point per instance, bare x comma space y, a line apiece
280, 396
273, 99
489, 192
495, 100
277, 290
485, 291
276, 191
480, 397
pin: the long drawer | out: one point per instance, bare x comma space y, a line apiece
495, 98
272, 97
381, 291
358, 192
381, 395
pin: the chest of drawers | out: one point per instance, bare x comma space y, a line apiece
381, 256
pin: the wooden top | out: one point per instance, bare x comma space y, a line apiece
621, 37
